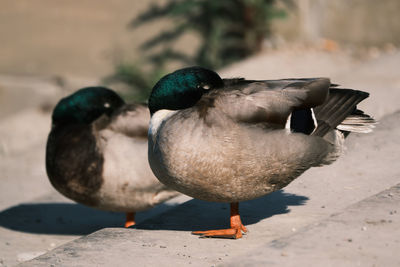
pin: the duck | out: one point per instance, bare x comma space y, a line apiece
96, 153
232, 140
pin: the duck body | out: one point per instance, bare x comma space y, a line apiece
228, 162
231, 140
97, 153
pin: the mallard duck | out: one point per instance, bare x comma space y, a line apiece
96, 153
231, 140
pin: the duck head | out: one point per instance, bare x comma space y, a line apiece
86, 105
182, 88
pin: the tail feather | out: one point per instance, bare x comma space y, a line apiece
357, 122
340, 104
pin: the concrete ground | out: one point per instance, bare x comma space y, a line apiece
344, 214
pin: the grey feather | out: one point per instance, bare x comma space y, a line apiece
269, 102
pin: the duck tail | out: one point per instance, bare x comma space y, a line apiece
340, 112
357, 122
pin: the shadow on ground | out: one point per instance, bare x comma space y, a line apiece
201, 215
64, 218
76, 219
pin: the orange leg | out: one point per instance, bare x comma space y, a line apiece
234, 232
130, 219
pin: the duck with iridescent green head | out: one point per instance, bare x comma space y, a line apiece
96, 153
232, 140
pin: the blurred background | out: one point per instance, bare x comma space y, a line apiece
133, 43
50, 48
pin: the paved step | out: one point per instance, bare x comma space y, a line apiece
364, 234
33, 228
362, 172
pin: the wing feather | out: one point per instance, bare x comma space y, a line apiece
131, 120
269, 102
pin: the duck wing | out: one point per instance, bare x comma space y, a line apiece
268, 102
131, 120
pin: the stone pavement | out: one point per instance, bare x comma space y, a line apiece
364, 234
322, 218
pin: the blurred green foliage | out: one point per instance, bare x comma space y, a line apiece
228, 30
139, 80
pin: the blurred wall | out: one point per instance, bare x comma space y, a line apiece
355, 22
70, 38
86, 38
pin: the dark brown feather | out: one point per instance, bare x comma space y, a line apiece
340, 104
73, 162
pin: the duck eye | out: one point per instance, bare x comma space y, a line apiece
204, 86
106, 105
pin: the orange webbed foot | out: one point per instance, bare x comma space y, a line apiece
130, 219
234, 232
